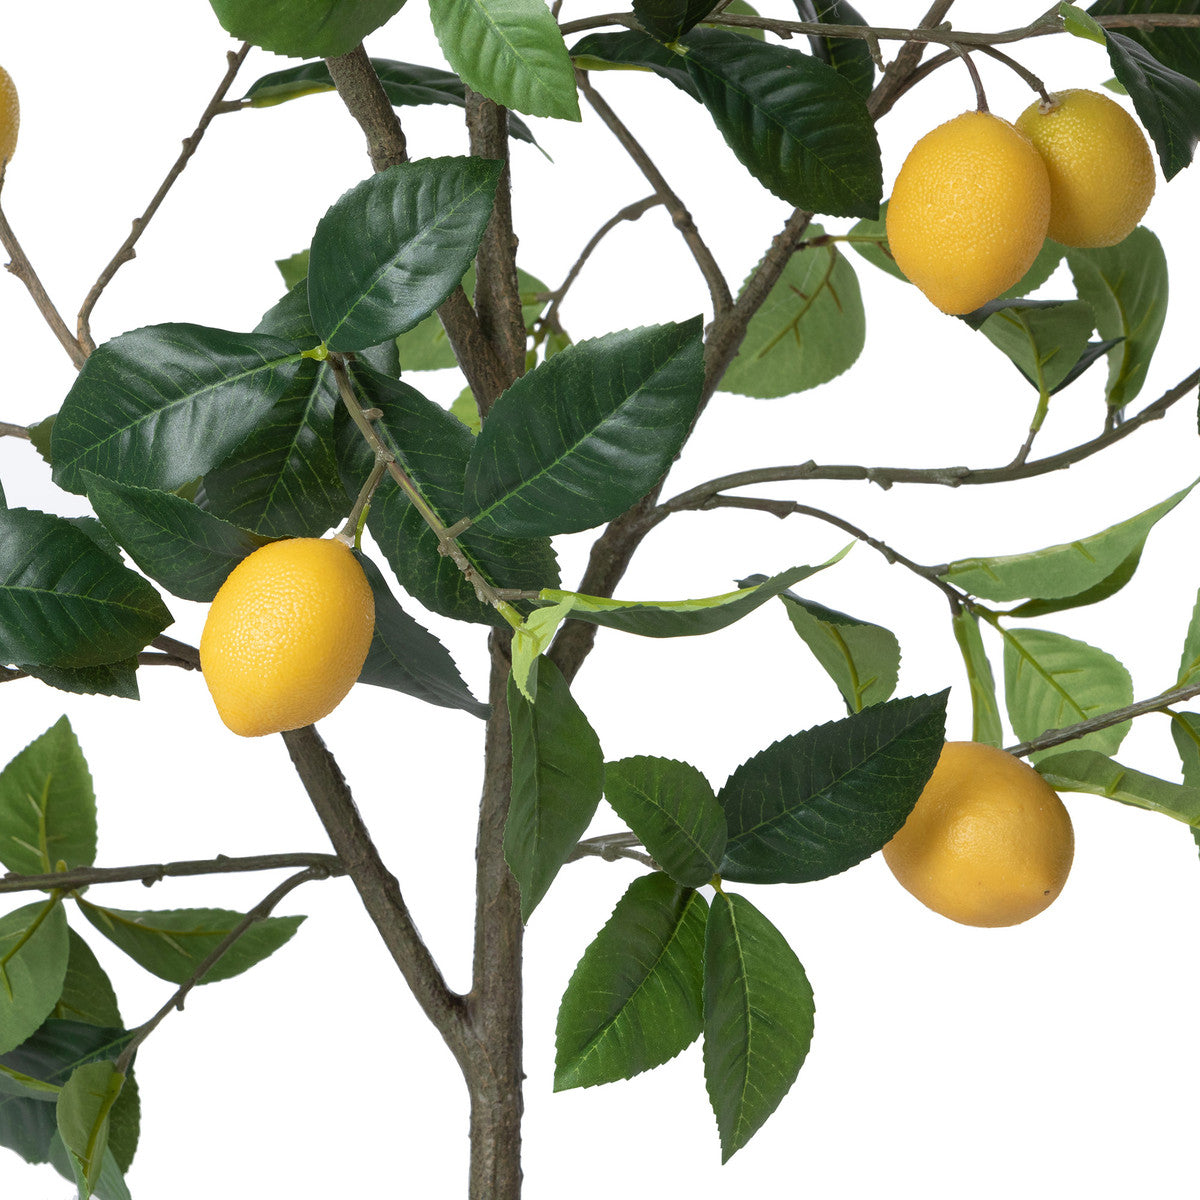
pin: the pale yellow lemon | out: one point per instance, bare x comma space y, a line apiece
10, 116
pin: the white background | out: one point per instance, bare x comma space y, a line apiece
1054, 1058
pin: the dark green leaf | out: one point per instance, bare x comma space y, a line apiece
1177, 48
83, 1110
861, 658
584, 435
108, 679
1044, 341
173, 944
850, 57
672, 809
510, 51
1069, 569
304, 28
633, 48
810, 328
33, 965
63, 601
189, 551
159, 406
406, 657
738, 8
1126, 285
1052, 681
47, 805
985, 711
1167, 102
433, 447
394, 247
558, 776
758, 1018
1090, 771
794, 122
635, 999
669, 20
824, 799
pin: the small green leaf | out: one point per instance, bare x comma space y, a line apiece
635, 999
533, 639
1189, 663
558, 776
819, 801
106, 679
985, 711
758, 1018
672, 809
850, 57
64, 602
33, 965
173, 944
466, 410
395, 246
1081, 24
1052, 681
861, 658
510, 51
83, 1111
584, 435
669, 20
1090, 771
47, 806
295, 267
1043, 340
1126, 285
1068, 569
304, 28
810, 328
87, 993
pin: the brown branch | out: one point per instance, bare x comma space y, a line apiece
127, 251
896, 75
17, 431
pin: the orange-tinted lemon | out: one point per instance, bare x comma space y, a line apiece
1101, 169
10, 116
969, 211
988, 842
287, 635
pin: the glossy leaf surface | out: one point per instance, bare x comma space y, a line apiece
850, 57
669, 20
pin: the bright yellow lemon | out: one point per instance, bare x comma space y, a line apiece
287, 635
10, 116
1101, 170
969, 211
988, 842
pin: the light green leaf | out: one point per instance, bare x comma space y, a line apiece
985, 711
33, 965
531, 640
1189, 663
810, 328
1043, 340
1081, 24
635, 999
1185, 729
1090, 771
304, 28
83, 1110
1052, 681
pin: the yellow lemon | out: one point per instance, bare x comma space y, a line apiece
969, 211
988, 842
287, 635
10, 116
1101, 170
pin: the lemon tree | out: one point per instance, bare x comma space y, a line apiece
419, 467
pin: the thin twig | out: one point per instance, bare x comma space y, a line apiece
16, 431
610, 847
1025, 73
126, 252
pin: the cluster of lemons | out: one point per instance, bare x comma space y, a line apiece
977, 196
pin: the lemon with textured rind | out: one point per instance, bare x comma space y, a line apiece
1100, 165
10, 116
988, 841
287, 635
969, 211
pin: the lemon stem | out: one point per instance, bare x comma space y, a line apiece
1025, 73
980, 95
351, 531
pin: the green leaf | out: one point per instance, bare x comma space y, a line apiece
1052, 681
531, 640
741, 9
850, 57
558, 776
64, 602
819, 801
395, 246
1189, 662
1126, 285
1177, 48
33, 965
1108, 586
1090, 771
111, 1183
797, 125
294, 269
1068, 569
107, 679
406, 657
861, 658
669, 20
985, 711
47, 805
433, 447
635, 999
1044, 341
466, 410
1185, 729
189, 551
672, 809
635, 50
1167, 102
159, 406
682, 618
810, 328
584, 435
173, 944
758, 1018
1080, 24
510, 51
304, 28
83, 1110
